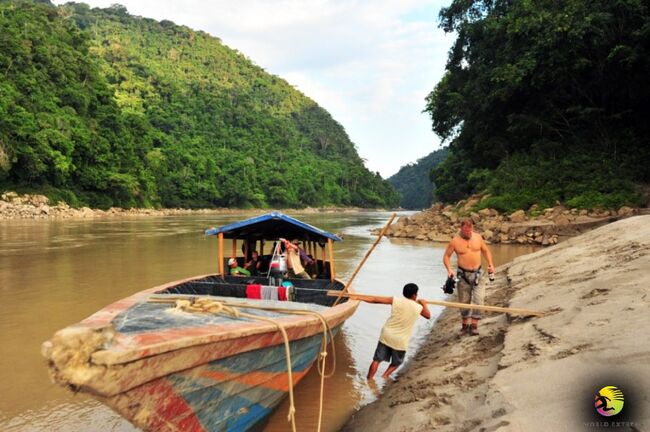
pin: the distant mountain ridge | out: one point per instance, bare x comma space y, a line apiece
413, 181
102, 108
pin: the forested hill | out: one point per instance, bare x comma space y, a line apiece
102, 108
413, 181
545, 101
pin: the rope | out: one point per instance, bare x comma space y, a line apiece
203, 305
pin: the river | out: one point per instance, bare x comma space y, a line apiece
55, 273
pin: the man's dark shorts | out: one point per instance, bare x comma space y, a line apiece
386, 353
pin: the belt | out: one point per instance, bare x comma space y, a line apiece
469, 271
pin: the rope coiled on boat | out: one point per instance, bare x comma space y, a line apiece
206, 305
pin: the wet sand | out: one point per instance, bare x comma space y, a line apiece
529, 374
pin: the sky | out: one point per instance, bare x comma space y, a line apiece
369, 63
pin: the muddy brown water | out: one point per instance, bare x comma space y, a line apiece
55, 273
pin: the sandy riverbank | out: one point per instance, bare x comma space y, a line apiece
538, 374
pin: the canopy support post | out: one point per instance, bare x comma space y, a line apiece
331, 253
221, 257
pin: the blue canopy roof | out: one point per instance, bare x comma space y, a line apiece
272, 226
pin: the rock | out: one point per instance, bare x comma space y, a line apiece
38, 200
487, 235
518, 216
471, 202
562, 219
625, 211
9, 196
491, 225
86, 212
485, 212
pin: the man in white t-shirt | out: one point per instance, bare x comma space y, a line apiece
396, 333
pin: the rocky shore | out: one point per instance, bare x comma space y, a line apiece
15, 206
535, 226
538, 374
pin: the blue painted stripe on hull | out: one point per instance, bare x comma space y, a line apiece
269, 360
210, 399
244, 423
233, 405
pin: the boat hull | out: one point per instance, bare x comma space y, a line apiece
209, 376
233, 393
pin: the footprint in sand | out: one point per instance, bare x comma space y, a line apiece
569, 352
596, 292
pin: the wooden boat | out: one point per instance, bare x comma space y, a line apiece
166, 369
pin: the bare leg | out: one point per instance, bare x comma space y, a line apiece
373, 369
389, 371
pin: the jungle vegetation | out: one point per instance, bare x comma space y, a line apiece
102, 108
545, 101
413, 181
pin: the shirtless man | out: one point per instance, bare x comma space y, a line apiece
468, 247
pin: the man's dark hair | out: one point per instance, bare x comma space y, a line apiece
466, 222
409, 290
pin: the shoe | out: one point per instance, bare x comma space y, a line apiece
473, 330
464, 330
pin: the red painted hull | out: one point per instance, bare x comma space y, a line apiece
191, 378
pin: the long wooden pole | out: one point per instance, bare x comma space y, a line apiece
512, 311
363, 261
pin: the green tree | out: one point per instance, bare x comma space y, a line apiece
543, 83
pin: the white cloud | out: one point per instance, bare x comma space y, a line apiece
370, 63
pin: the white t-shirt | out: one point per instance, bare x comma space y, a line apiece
396, 333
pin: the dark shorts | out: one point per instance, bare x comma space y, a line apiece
386, 353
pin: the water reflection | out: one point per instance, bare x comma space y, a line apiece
55, 273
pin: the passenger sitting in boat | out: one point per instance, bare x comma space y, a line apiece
397, 330
294, 264
236, 270
254, 265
